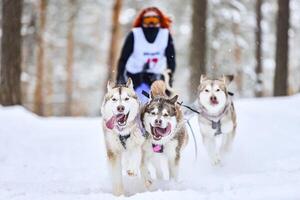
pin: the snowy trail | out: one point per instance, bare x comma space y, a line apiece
64, 158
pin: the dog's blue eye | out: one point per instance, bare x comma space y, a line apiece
206, 90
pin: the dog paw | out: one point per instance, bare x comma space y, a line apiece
148, 183
118, 191
131, 173
216, 161
174, 179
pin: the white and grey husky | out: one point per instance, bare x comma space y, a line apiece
166, 134
217, 117
122, 133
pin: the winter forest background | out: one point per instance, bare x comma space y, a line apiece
69, 48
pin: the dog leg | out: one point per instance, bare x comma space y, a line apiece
227, 143
173, 164
146, 176
210, 145
134, 161
114, 161
158, 170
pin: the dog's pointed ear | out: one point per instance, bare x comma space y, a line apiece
109, 86
174, 99
227, 79
129, 83
202, 78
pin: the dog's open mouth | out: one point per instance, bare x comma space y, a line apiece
122, 119
159, 132
214, 102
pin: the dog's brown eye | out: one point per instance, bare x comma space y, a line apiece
206, 90
114, 99
166, 115
218, 90
152, 113
126, 99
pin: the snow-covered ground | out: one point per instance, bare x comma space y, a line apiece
64, 158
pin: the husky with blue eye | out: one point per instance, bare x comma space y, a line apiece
166, 135
217, 118
122, 132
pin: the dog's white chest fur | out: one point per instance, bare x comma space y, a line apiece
168, 149
113, 141
207, 129
158, 160
217, 145
135, 139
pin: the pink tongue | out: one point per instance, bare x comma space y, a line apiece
111, 122
156, 148
121, 118
163, 131
168, 128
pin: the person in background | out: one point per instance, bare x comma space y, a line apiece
148, 51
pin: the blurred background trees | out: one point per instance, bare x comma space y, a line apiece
72, 12
40, 62
282, 49
10, 72
258, 50
69, 48
113, 50
198, 44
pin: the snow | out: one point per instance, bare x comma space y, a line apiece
64, 158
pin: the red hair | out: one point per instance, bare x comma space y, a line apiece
165, 21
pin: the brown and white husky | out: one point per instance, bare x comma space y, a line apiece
122, 133
217, 117
166, 135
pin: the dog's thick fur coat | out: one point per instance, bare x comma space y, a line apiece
123, 136
217, 120
163, 121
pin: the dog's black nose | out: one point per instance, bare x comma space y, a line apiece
213, 98
157, 121
120, 108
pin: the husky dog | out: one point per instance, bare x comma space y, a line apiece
165, 134
217, 117
122, 133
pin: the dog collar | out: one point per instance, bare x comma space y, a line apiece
123, 139
215, 119
157, 148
